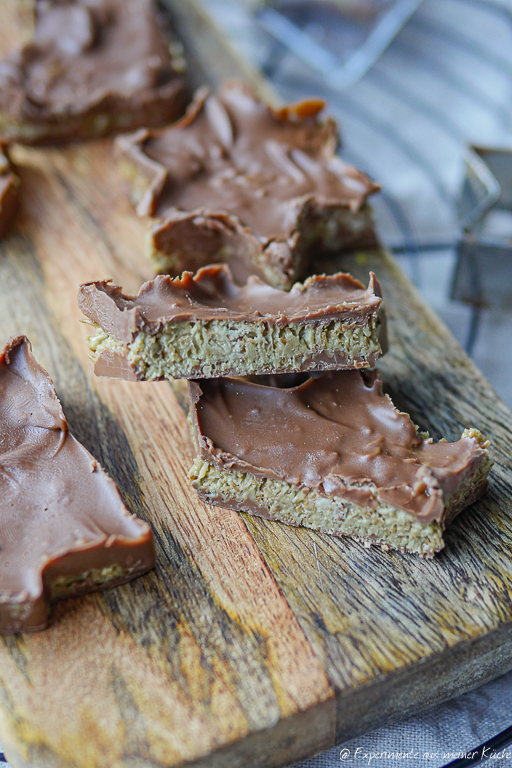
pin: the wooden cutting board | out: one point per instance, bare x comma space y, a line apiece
252, 643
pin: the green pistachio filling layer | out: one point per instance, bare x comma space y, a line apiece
384, 525
218, 347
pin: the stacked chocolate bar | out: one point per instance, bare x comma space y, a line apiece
262, 192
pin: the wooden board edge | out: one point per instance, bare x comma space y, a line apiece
425, 684
215, 56
294, 738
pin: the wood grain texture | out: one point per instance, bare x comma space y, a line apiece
251, 644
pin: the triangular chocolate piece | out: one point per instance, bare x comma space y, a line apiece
64, 528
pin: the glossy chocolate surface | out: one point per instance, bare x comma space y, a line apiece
61, 515
89, 56
231, 154
212, 294
337, 433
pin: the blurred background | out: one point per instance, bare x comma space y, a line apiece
415, 84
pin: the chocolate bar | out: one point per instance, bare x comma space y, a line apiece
205, 325
335, 455
235, 181
93, 67
65, 529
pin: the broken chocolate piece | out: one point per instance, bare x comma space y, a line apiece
333, 454
93, 67
9, 191
235, 181
206, 326
64, 529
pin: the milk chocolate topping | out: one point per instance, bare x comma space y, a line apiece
90, 57
232, 154
61, 515
211, 294
338, 434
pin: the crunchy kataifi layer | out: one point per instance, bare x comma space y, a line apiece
93, 67
206, 326
333, 454
9, 191
235, 181
65, 529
